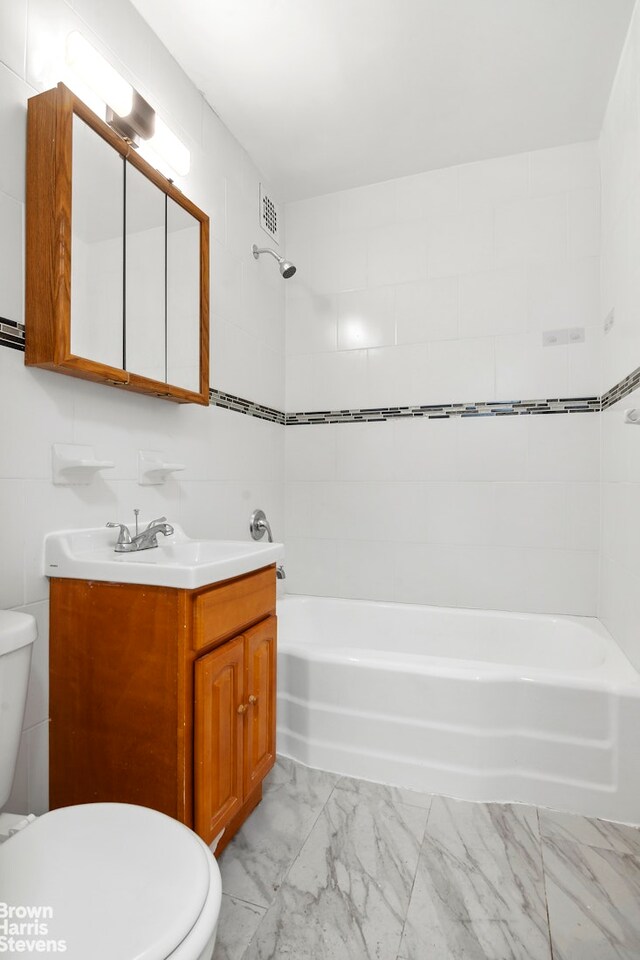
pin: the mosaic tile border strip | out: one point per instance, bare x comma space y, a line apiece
230, 402
621, 390
11, 334
447, 411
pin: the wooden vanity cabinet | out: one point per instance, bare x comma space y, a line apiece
164, 697
234, 725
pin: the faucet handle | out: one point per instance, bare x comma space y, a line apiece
124, 536
154, 522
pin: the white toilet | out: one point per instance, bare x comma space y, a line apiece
114, 881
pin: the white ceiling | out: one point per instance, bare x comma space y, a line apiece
329, 94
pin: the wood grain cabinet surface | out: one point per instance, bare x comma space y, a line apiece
149, 707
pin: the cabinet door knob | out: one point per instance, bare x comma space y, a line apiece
242, 708
253, 699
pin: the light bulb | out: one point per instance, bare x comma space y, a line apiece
166, 144
98, 74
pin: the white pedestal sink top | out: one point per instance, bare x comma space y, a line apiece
177, 561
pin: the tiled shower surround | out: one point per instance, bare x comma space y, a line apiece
457, 462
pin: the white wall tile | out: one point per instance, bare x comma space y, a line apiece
351, 252
562, 169
494, 181
18, 801
310, 453
13, 32
397, 254
428, 194
564, 447
461, 513
492, 448
299, 374
364, 570
583, 514
366, 318
531, 515
525, 369
426, 573
494, 302
585, 364
427, 310
462, 243
564, 294
13, 511
365, 451
318, 215
339, 379
367, 207
37, 706
312, 320
26, 447
563, 581
13, 125
11, 246
313, 567
37, 738
226, 290
397, 375
531, 229
584, 223
460, 371
425, 449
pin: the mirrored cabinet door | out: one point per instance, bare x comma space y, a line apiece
97, 219
117, 260
145, 277
183, 297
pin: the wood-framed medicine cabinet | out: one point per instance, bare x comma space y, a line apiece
117, 260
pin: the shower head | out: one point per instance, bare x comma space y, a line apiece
286, 269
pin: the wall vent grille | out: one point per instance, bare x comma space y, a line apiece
269, 215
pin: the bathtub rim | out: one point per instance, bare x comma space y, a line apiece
616, 673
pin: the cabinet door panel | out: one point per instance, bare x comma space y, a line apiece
218, 733
97, 229
260, 680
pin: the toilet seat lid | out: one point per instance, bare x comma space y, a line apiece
123, 882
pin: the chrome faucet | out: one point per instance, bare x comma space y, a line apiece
142, 541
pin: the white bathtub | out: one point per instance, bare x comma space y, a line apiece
480, 705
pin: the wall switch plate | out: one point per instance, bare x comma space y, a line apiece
609, 320
576, 335
553, 338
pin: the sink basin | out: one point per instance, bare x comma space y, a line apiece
177, 561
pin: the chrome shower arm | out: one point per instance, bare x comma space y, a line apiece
256, 250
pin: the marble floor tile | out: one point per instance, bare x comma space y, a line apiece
594, 833
346, 896
236, 926
593, 896
479, 889
259, 856
366, 788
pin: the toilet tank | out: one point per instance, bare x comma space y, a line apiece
17, 634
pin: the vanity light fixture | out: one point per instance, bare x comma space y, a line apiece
127, 112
